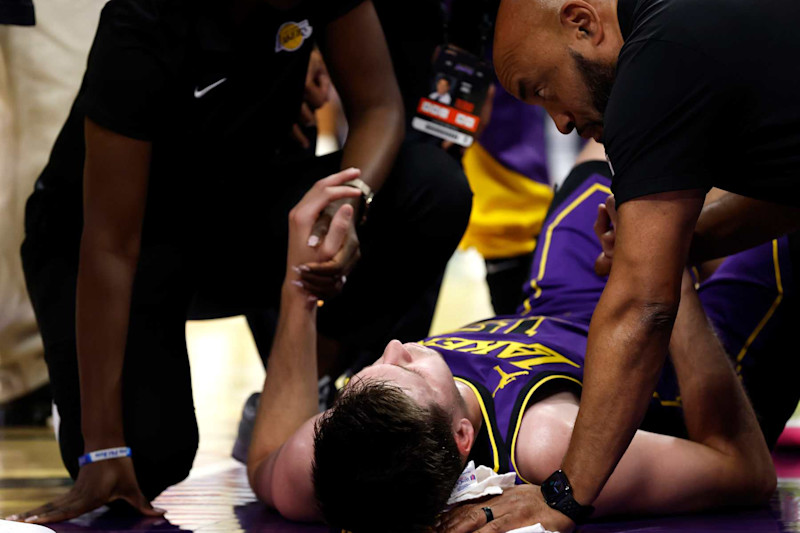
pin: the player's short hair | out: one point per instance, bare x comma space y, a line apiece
383, 463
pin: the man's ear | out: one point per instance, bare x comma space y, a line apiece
582, 20
464, 434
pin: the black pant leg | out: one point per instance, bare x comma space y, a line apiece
51, 277
158, 405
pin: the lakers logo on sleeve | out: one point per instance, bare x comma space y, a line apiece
291, 35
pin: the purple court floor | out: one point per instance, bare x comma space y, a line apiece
223, 502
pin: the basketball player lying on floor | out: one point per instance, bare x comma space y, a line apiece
505, 391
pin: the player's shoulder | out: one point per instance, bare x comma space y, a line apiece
544, 435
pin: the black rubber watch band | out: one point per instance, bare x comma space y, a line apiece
557, 493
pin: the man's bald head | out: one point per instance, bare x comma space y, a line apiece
559, 54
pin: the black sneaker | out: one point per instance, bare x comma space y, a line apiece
246, 425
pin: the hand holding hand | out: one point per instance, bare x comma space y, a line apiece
517, 507
323, 245
605, 229
97, 484
338, 249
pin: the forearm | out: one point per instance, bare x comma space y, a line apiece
732, 223
625, 353
373, 141
715, 406
290, 395
105, 281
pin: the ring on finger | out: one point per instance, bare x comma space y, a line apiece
489, 514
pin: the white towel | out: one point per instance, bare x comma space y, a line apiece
482, 481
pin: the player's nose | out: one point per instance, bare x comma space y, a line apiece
396, 354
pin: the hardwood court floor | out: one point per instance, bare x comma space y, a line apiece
225, 370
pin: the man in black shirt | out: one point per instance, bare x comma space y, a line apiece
686, 96
174, 176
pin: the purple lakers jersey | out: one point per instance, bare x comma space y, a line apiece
510, 362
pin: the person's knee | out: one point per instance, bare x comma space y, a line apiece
164, 465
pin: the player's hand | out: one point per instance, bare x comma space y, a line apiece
605, 229
97, 484
517, 507
338, 256
312, 244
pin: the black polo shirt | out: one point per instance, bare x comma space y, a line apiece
215, 99
707, 94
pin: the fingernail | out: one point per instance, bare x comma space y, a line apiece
304, 268
296, 269
313, 241
297, 283
12, 517
313, 299
32, 518
344, 280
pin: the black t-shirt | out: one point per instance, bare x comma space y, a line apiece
215, 100
707, 94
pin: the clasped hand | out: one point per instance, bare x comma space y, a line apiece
323, 243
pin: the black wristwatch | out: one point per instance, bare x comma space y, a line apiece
557, 493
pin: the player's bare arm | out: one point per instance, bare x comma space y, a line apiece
280, 453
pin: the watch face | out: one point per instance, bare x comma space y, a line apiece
556, 486
559, 486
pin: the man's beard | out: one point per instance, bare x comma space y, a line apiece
599, 79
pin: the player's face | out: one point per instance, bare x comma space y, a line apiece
421, 372
442, 86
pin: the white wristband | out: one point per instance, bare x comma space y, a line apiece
104, 455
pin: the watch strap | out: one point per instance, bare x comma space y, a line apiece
366, 196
